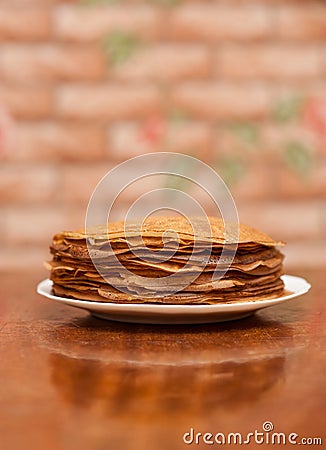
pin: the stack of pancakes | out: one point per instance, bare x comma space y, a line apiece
109, 264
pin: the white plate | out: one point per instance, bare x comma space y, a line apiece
177, 314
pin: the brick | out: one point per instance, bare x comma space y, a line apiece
269, 61
291, 185
28, 184
50, 141
36, 3
6, 131
254, 182
269, 143
265, 174
305, 255
107, 102
137, 192
30, 3
286, 221
24, 24
82, 24
323, 222
33, 225
27, 102
127, 140
220, 23
316, 90
268, 2
79, 182
190, 137
45, 63
16, 258
2, 229
306, 22
166, 62
222, 101
74, 215
274, 138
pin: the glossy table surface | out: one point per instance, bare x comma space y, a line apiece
70, 381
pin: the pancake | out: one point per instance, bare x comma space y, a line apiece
189, 268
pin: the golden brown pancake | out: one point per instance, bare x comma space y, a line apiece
254, 274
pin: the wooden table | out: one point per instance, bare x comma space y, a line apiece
69, 381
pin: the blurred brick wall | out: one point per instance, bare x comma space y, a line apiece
87, 84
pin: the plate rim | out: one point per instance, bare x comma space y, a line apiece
44, 286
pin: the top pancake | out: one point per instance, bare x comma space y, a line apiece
154, 227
